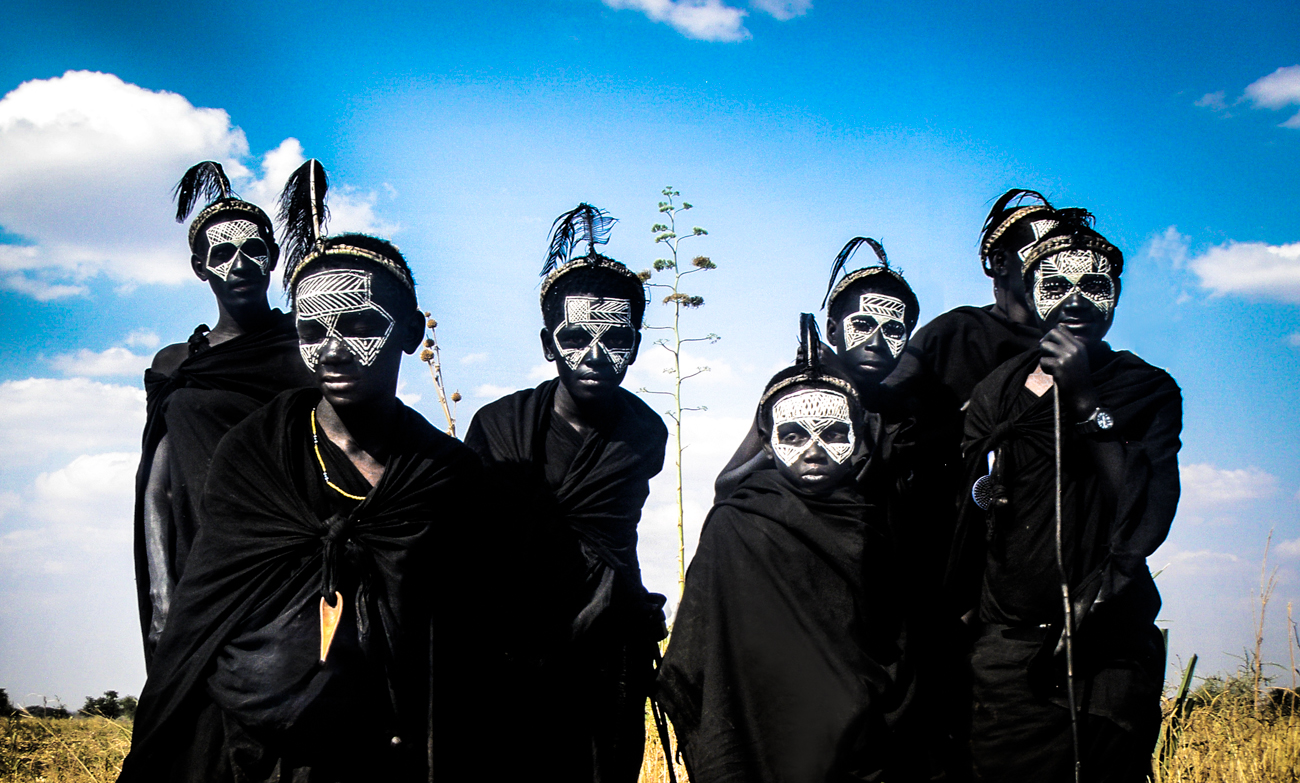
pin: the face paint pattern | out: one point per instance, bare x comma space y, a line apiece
1040, 229
1060, 276
888, 313
595, 315
325, 296
235, 232
814, 410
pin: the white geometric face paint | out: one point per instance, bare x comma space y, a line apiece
592, 323
226, 242
337, 303
1062, 275
814, 411
877, 312
1040, 229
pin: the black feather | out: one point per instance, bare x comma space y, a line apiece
303, 212
809, 357
206, 181
583, 223
1003, 204
846, 253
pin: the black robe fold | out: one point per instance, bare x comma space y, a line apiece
194, 407
582, 641
264, 546
1003, 561
785, 659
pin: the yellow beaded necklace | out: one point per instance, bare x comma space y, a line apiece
315, 444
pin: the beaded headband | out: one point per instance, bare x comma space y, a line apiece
1054, 245
1015, 217
586, 262
861, 274
805, 377
357, 252
226, 205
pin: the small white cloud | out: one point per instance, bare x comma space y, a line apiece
1169, 247
541, 372
1288, 549
783, 10
1205, 485
408, 398
1251, 269
1279, 89
702, 20
9, 501
1201, 562
113, 361
44, 416
492, 390
142, 338
1215, 101
1293, 339
474, 358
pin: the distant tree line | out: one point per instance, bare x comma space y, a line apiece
110, 705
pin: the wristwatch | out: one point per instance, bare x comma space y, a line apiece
1101, 420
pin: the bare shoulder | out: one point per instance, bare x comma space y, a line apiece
168, 359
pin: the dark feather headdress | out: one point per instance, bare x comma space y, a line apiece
207, 183
304, 215
808, 367
1007, 211
846, 253
583, 223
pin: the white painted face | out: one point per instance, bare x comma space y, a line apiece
336, 303
808, 416
599, 324
877, 312
228, 240
1060, 276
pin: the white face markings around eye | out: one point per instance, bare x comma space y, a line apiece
235, 232
887, 313
1062, 275
814, 410
324, 297
595, 316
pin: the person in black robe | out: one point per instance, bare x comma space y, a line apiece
303, 643
785, 660
1119, 421
570, 462
197, 390
870, 314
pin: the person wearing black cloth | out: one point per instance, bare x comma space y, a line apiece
571, 461
870, 314
784, 664
197, 390
301, 644
1120, 420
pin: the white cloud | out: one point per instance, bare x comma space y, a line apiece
1279, 89
474, 358
1213, 100
44, 416
1288, 548
702, 20
492, 391
142, 338
1251, 269
1201, 562
87, 165
1205, 485
112, 361
1293, 339
1171, 247
783, 10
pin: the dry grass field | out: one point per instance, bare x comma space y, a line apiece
1219, 737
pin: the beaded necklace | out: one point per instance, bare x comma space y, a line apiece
315, 444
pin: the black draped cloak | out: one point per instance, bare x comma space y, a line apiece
1003, 561
581, 633
194, 406
785, 658
250, 595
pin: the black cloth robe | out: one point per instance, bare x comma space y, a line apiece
265, 555
195, 406
784, 664
581, 642
1004, 565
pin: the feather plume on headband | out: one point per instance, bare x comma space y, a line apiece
808, 366
208, 184
583, 223
841, 260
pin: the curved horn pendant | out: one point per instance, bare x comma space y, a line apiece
329, 622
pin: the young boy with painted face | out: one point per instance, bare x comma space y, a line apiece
571, 461
1119, 423
870, 315
199, 389
784, 663
303, 643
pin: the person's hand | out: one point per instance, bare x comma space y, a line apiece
1065, 358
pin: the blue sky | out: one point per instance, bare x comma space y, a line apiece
461, 130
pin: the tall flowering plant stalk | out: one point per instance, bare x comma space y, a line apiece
667, 235
432, 356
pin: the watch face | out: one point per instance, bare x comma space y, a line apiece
1104, 420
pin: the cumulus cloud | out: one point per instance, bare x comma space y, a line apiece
702, 20
44, 416
1279, 89
491, 391
784, 10
1288, 549
1252, 269
1206, 486
112, 361
87, 164
1216, 101
1293, 339
474, 358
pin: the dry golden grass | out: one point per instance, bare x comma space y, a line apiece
62, 750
